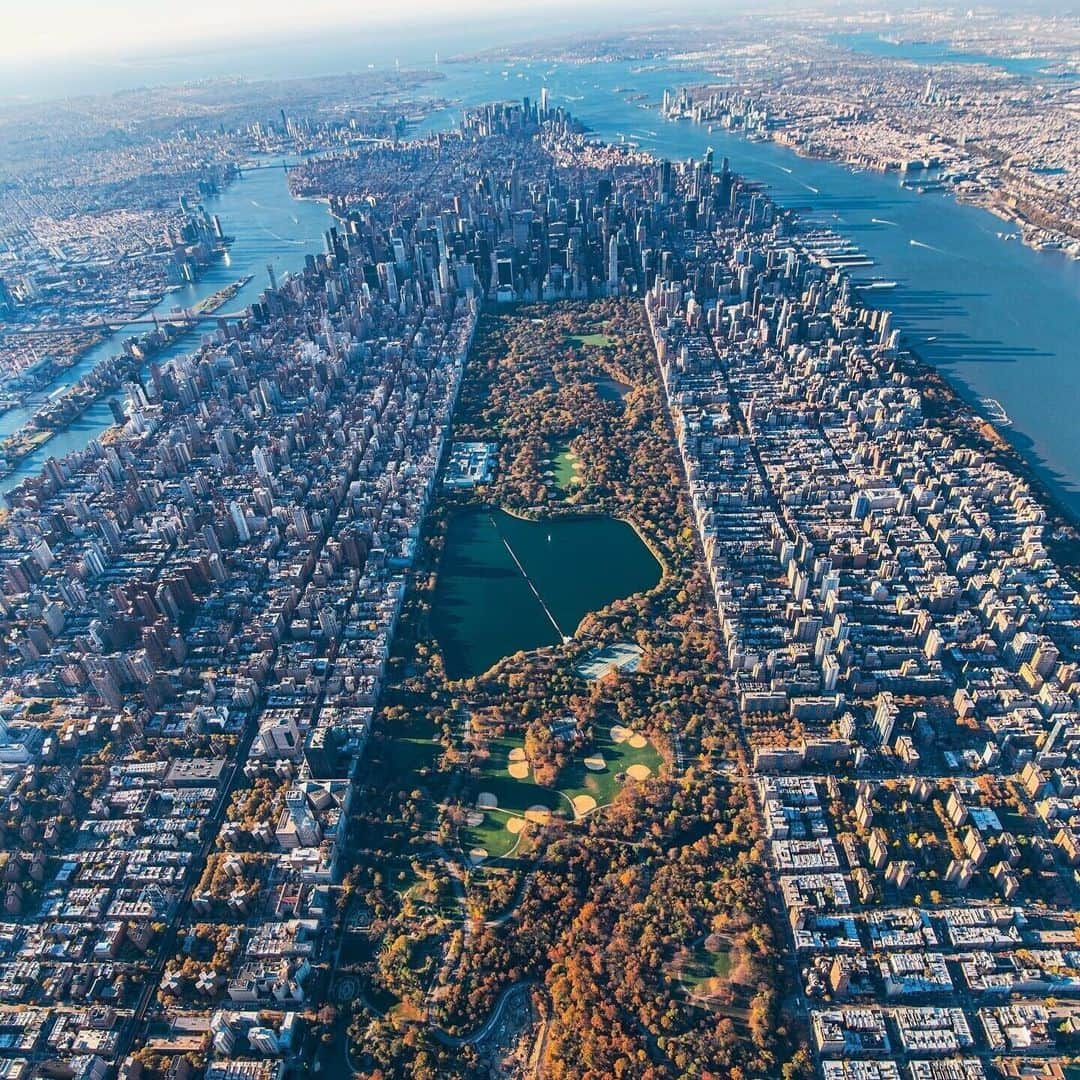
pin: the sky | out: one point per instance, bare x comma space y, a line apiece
48, 29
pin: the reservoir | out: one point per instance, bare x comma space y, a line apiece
506, 584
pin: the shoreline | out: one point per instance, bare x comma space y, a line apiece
522, 515
103, 334
35, 433
984, 201
931, 381
1017, 461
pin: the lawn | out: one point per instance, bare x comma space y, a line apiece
491, 834
499, 831
513, 797
602, 785
599, 341
567, 467
702, 970
410, 745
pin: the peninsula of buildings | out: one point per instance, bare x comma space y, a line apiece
880, 721
979, 103
98, 227
999, 131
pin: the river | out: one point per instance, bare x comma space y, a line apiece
939, 52
999, 319
268, 227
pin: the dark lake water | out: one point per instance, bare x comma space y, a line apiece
486, 608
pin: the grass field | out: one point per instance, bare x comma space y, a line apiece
702, 972
567, 467
599, 341
576, 779
515, 796
412, 744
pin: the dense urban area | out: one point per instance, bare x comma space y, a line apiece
994, 121
558, 630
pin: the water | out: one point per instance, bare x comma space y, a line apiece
484, 609
939, 52
999, 319
268, 226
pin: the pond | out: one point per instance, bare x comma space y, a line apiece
611, 389
507, 584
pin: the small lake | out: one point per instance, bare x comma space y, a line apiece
506, 584
611, 389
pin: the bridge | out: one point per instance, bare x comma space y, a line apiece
178, 319
314, 155
260, 165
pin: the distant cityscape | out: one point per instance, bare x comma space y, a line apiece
517, 604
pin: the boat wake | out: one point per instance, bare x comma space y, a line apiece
282, 239
810, 187
783, 168
884, 221
929, 247
995, 411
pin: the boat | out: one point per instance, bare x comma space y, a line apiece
995, 411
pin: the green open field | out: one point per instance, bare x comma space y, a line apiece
702, 973
567, 467
576, 779
412, 744
706, 965
600, 341
516, 796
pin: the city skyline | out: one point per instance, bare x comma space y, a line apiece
541, 546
